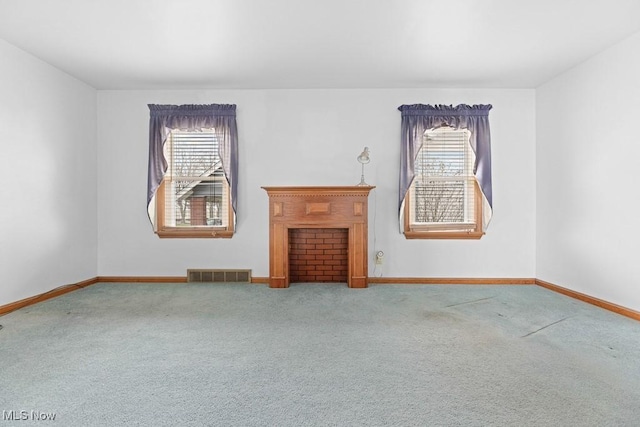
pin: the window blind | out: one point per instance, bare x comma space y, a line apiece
196, 190
443, 190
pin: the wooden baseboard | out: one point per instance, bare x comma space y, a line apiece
451, 281
160, 279
624, 311
8, 308
435, 281
142, 279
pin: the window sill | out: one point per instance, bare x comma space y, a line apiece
191, 233
462, 235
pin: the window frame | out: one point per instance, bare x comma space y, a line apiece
168, 231
419, 231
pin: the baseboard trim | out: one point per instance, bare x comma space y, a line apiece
142, 279
160, 279
624, 311
451, 281
435, 281
56, 292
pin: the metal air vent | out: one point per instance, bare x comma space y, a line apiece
216, 275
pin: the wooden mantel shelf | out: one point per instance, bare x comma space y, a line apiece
318, 207
320, 190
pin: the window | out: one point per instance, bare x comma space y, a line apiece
445, 189
194, 194
192, 187
444, 200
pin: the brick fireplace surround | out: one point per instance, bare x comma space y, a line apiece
297, 214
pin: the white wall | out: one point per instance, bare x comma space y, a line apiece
47, 177
312, 137
588, 153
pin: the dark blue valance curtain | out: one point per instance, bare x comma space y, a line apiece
164, 118
418, 118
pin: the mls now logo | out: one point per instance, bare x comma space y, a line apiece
28, 415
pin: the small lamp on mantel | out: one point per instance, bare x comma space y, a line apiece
364, 158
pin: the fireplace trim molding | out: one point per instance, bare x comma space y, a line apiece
318, 207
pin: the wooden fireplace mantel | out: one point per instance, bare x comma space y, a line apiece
318, 207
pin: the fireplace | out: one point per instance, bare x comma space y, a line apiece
318, 208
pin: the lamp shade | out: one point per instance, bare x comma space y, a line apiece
364, 156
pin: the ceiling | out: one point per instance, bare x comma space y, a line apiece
181, 44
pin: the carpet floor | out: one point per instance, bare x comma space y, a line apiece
318, 355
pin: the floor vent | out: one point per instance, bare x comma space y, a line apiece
242, 276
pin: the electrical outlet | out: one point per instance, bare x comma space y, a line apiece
379, 257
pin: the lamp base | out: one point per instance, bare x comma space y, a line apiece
362, 183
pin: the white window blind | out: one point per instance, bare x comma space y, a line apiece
443, 191
196, 190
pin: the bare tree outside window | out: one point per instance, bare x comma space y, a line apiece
439, 202
442, 182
